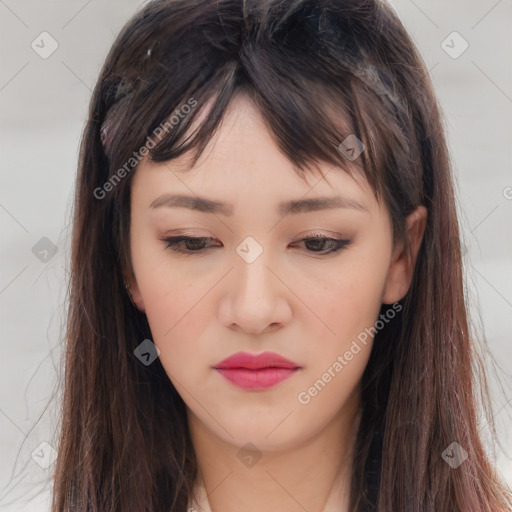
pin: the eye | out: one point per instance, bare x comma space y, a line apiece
196, 245
317, 244
192, 244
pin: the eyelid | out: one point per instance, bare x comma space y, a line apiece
318, 234
302, 236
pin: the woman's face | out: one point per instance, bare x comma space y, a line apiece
254, 284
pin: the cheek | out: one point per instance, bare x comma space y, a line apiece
179, 310
346, 301
178, 320
349, 306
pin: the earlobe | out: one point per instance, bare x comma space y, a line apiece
133, 291
401, 271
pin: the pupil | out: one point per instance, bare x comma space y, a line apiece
317, 243
196, 243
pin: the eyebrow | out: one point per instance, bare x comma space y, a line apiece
293, 206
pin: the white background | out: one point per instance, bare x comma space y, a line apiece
43, 108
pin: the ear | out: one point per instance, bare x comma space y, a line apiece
134, 291
401, 270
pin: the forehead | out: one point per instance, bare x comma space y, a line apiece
243, 165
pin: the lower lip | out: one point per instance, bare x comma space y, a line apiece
256, 379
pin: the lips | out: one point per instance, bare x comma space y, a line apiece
260, 371
256, 362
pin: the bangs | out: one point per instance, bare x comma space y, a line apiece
309, 125
320, 105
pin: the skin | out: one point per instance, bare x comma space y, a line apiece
305, 306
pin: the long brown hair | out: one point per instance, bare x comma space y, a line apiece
318, 71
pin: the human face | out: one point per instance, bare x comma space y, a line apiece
283, 295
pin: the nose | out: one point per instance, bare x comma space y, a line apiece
256, 298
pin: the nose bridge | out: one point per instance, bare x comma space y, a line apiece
252, 302
252, 277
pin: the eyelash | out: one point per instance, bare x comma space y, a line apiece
172, 243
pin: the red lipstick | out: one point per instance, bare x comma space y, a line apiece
261, 371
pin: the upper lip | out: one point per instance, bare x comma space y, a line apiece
256, 361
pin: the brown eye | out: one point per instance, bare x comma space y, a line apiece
195, 245
192, 244
324, 245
